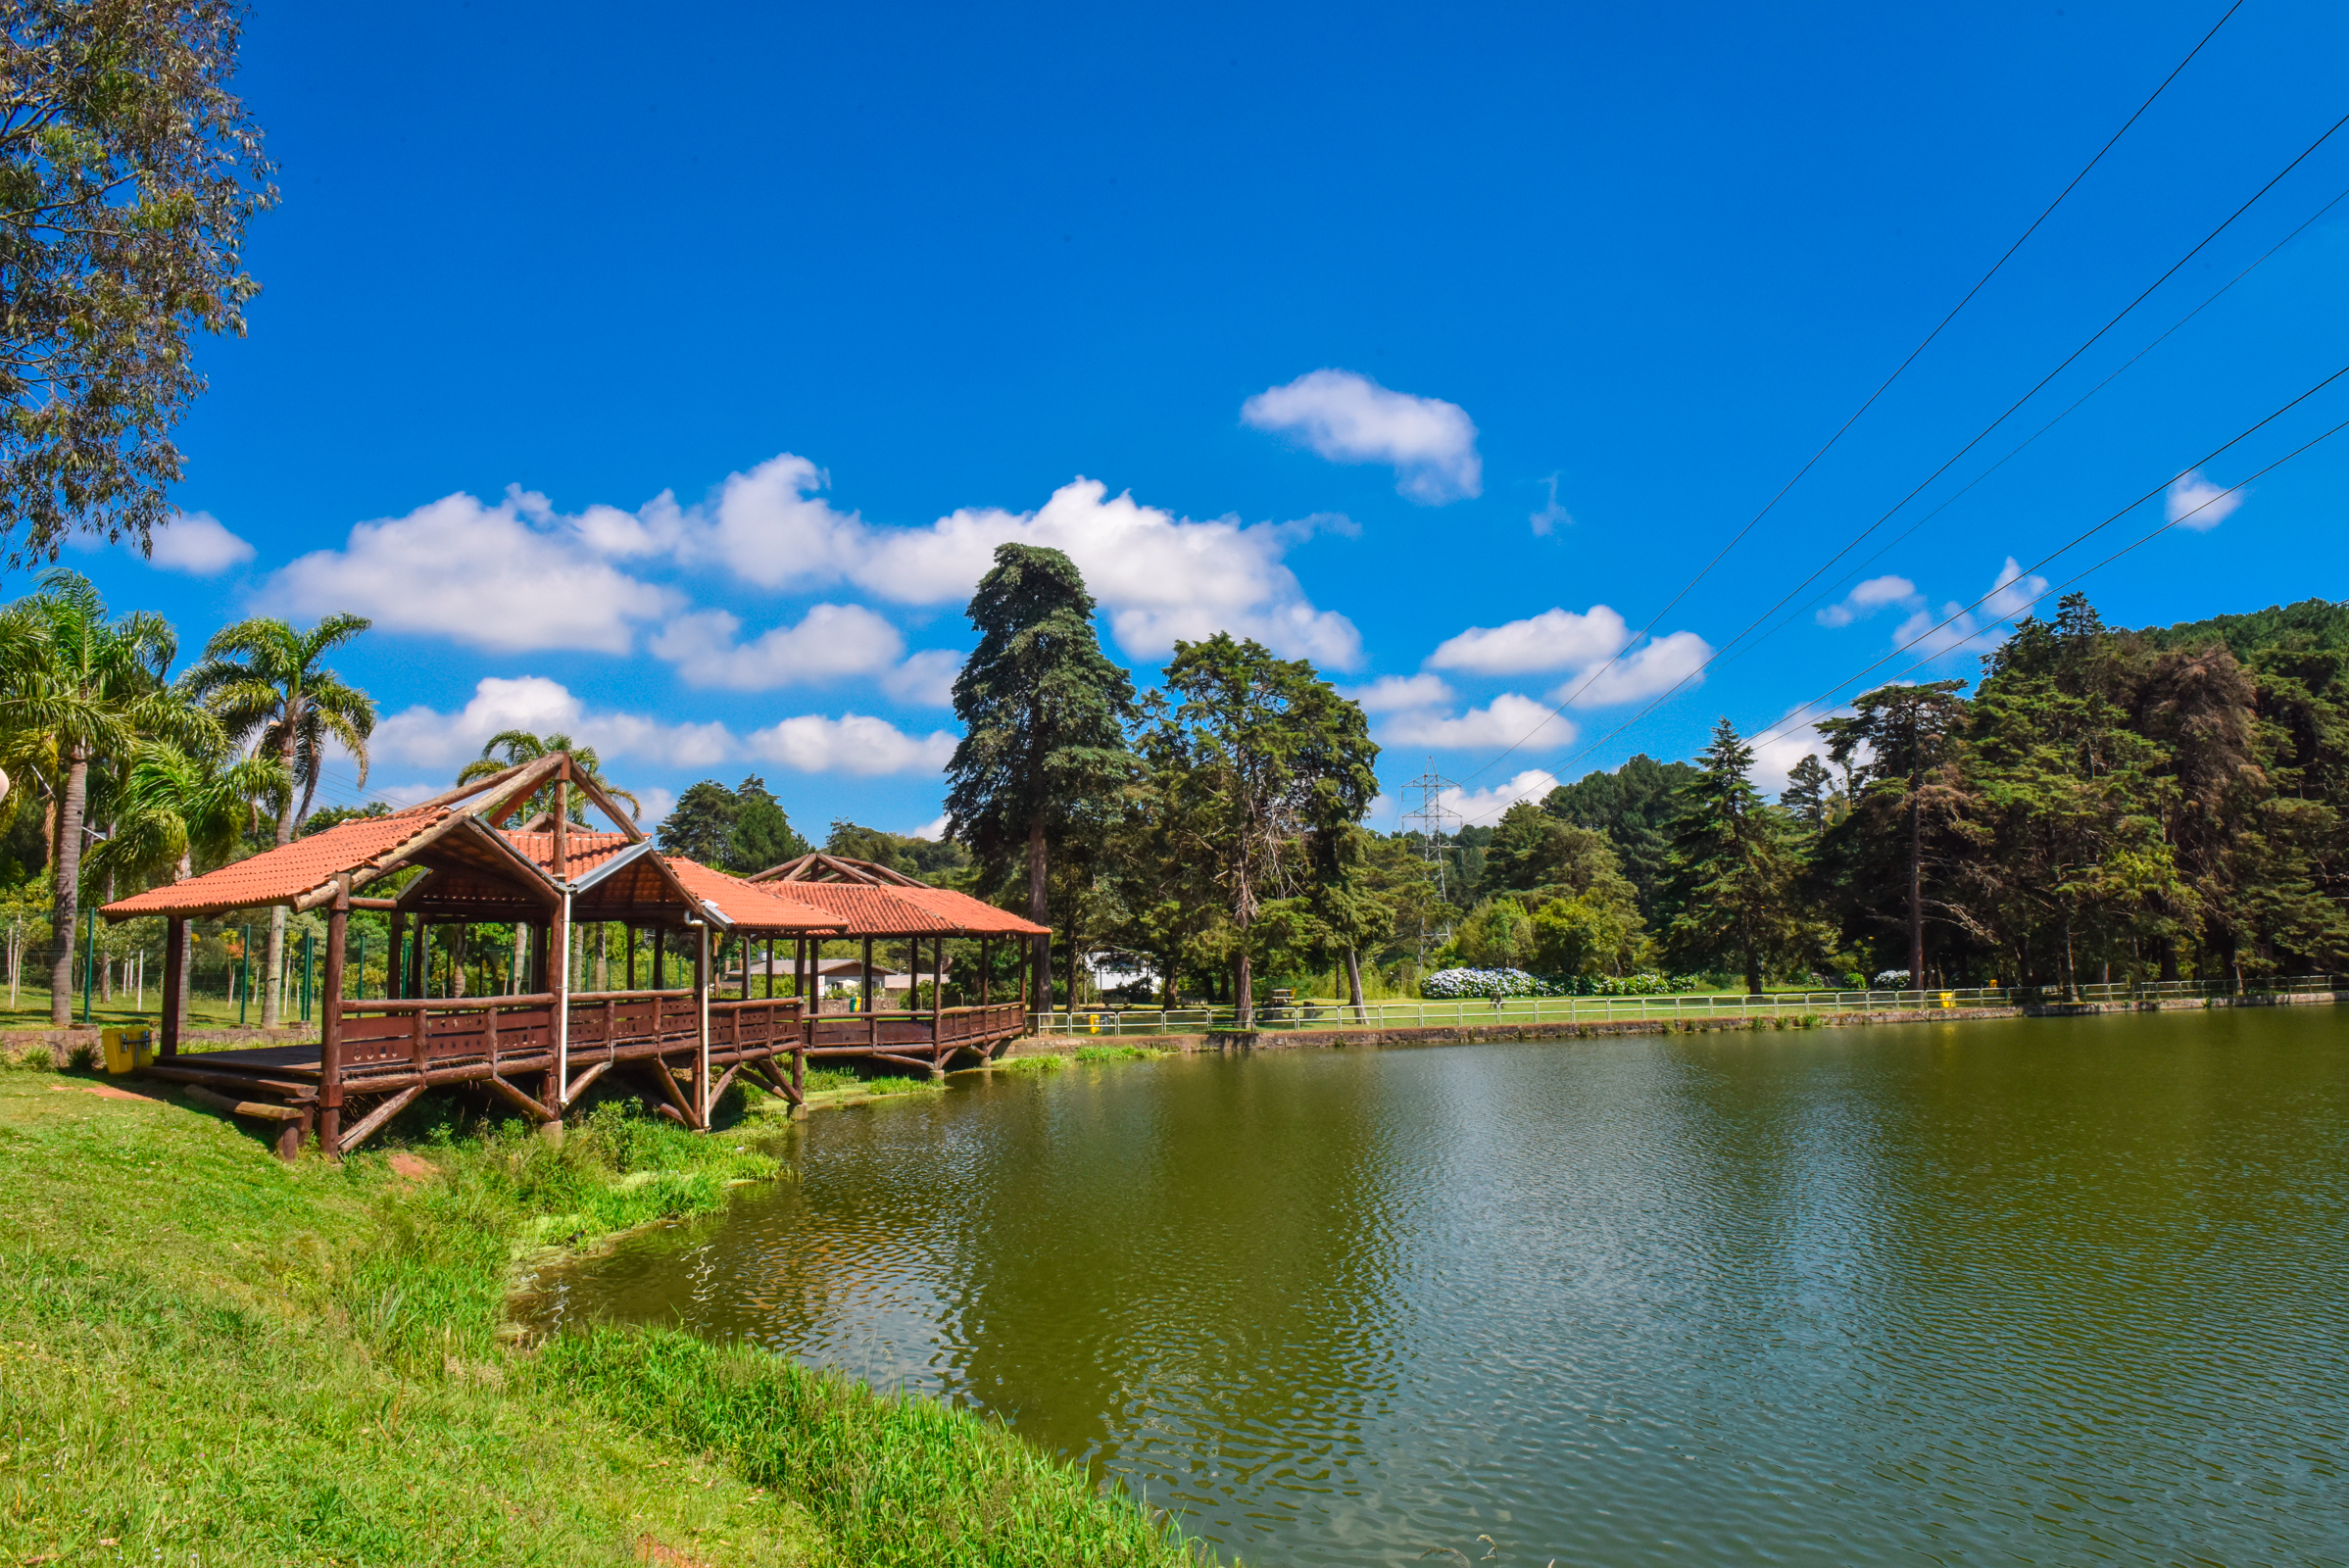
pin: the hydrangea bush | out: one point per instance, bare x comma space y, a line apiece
1449, 985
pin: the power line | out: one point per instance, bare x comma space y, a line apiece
1782, 726
1751, 523
2064, 549
1723, 655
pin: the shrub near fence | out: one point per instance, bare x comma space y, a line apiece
1434, 1014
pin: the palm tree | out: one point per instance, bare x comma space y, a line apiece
508, 748
75, 685
176, 805
263, 678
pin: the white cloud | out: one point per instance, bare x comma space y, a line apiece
2195, 503
1555, 639
1480, 806
1776, 751
1346, 417
1868, 598
477, 574
830, 641
2013, 594
1509, 720
1938, 634
1657, 666
656, 804
926, 679
932, 832
1551, 516
1395, 694
850, 744
521, 574
420, 737
197, 544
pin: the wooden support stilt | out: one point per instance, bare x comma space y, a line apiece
375, 1118
175, 943
330, 1025
519, 1101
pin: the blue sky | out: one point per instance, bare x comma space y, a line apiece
669, 380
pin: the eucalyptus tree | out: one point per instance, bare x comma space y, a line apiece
75, 686
1261, 754
267, 682
127, 172
1045, 716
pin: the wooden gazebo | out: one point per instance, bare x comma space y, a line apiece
541, 1046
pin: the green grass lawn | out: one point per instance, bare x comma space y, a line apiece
32, 1010
207, 1358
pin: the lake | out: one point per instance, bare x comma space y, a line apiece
2047, 1291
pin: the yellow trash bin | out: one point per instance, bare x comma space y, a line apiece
129, 1049
1949, 999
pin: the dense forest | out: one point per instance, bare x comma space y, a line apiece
2099, 805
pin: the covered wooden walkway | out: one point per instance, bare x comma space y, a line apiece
538, 1052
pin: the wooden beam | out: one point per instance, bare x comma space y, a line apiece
519, 1101
601, 800
375, 1118
468, 791
579, 1085
260, 1109
659, 1068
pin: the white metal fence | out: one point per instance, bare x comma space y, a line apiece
1786, 1004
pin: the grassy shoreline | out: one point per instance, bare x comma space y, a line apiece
207, 1358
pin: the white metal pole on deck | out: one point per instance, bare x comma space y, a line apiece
563, 1013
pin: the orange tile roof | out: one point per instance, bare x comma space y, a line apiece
869, 912
906, 912
582, 850
745, 905
973, 916
283, 874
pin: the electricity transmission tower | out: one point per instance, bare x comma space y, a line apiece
1428, 820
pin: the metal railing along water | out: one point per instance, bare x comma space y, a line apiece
1472, 1011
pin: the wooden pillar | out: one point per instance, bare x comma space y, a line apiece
397, 957
330, 1024
700, 1013
872, 1023
538, 959
770, 969
631, 930
936, 985
174, 939
660, 954
802, 968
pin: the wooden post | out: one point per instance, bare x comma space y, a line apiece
538, 958
631, 930
936, 985
659, 955
700, 1014
563, 820
174, 938
770, 969
397, 957
330, 1024
872, 1023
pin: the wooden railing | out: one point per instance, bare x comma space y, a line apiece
425, 1032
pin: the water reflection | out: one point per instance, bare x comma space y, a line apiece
2054, 1292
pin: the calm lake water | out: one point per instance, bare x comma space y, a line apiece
2038, 1292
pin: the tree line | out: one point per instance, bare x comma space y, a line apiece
2103, 803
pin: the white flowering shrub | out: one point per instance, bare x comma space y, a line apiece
1892, 980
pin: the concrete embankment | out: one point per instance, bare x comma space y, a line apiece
1458, 1033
